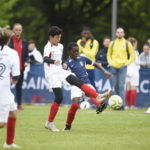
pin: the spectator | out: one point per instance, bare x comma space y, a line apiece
148, 41
132, 78
88, 46
145, 56
34, 54
117, 57
102, 55
21, 46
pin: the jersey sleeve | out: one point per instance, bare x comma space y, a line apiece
88, 61
15, 69
46, 50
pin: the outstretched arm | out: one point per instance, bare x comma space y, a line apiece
100, 67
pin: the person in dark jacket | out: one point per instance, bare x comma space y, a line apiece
21, 46
102, 54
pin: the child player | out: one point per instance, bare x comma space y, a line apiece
9, 63
77, 65
56, 76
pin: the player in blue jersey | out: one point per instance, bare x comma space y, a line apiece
77, 65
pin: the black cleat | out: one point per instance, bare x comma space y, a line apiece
67, 128
99, 108
104, 106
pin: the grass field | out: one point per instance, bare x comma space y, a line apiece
111, 130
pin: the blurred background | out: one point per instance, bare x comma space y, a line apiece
37, 16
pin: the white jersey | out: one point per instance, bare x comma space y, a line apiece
9, 63
37, 55
134, 67
55, 53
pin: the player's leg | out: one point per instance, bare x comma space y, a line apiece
4, 112
134, 85
133, 96
54, 109
71, 113
11, 123
85, 88
128, 94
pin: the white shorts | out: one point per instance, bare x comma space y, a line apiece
77, 92
57, 78
4, 111
134, 79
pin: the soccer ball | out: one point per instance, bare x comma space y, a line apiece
115, 102
85, 105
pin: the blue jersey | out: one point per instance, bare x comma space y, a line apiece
78, 67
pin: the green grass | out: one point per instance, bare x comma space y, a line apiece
111, 130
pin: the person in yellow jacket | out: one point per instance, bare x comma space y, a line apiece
88, 46
120, 54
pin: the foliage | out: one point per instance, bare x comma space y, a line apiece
72, 15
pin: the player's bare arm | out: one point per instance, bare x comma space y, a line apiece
99, 66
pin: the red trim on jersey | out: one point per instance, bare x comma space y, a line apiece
50, 55
18, 48
51, 45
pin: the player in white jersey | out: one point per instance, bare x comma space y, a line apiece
56, 76
132, 77
9, 64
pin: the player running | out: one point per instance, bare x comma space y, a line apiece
56, 76
77, 65
9, 63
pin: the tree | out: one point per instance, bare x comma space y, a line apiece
71, 15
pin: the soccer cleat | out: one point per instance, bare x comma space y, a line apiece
51, 126
102, 97
67, 128
20, 107
10, 146
148, 111
99, 108
104, 106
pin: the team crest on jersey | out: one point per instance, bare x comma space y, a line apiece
81, 63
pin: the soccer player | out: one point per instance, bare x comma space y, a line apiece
77, 65
9, 63
56, 76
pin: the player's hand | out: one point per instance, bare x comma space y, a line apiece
108, 74
25, 64
144, 64
65, 66
57, 62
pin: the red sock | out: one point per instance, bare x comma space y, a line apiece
53, 111
94, 101
133, 97
71, 113
10, 130
128, 97
89, 91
